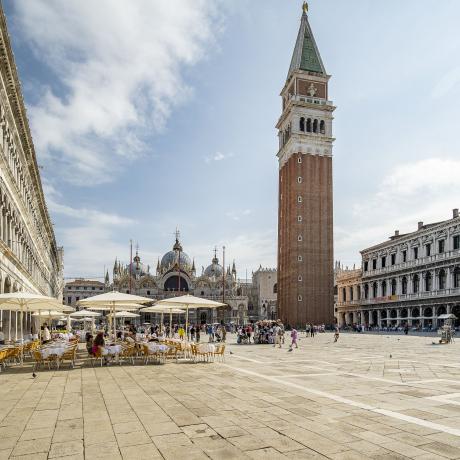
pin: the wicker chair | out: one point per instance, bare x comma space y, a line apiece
127, 352
220, 352
69, 355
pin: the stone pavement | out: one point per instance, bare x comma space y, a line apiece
367, 396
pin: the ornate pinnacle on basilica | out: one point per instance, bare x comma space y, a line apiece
305, 7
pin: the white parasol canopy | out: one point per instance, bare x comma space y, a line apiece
84, 314
43, 314
27, 302
189, 302
114, 301
124, 314
162, 309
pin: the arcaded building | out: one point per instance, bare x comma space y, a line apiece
305, 222
30, 259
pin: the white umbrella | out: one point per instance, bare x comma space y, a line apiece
124, 314
189, 302
84, 314
162, 309
113, 300
28, 302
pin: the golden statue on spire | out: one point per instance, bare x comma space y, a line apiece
305, 7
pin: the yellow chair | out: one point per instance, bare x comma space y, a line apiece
127, 351
220, 351
69, 355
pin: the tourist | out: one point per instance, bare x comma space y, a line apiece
249, 332
224, 333
294, 338
192, 333
312, 330
89, 343
197, 333
181, 333
46, 334
406, 329
336, 334
277, 335
98, 344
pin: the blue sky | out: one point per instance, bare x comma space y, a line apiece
148, 115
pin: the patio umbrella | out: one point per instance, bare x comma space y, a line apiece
124, 314
28, 302
84, 314
189, 302
162, 309
114, 301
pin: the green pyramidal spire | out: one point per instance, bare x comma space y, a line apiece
306, 55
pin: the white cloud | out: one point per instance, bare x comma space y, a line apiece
426, 191
237, 215
120, 66
447, 83
88, 237
218, 156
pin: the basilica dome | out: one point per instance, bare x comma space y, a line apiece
214, 270
171, 258
137, 268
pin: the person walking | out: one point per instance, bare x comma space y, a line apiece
277, 335
312, 330
336, 334
294, 338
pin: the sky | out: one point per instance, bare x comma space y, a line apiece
152, 115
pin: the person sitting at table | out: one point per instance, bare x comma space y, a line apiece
129, 338
2, 338
89, 343
98, 343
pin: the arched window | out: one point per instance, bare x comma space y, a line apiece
309, 125
428, 281
315, 126
351, 293
393, 287
275, 288
415, 283
344, 295
404, 285
374, 290
322, 127
366, 291
384, 288
302, 124
442, 279
457, 277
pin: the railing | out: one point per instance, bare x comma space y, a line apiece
311, 100
413, 296
413, 263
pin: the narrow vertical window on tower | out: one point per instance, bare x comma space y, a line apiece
299, 298
299, 180
299, 238
299, 258
302, 124
299, 199
322, 128
299, 218
299, 159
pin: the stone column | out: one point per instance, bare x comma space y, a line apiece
398, 317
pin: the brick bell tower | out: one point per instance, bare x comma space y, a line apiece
305, 232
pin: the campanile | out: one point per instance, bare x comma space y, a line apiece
305, 227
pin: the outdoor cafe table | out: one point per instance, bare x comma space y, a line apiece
112, 350
157, 347
53, 350
206, 348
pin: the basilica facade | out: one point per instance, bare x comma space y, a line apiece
175, 273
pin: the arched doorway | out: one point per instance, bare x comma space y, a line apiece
456, 312
172, 284
375, 318
428, 317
